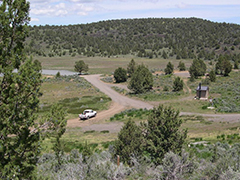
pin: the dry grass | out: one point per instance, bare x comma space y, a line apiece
207, 129
105, 65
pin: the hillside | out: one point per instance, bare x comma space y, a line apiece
179, 38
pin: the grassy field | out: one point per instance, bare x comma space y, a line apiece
73, 93
105, 65
78, 93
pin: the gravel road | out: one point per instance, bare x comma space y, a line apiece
120, 103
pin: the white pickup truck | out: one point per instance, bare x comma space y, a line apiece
88, 113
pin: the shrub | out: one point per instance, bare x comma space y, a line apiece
169, 68
178, 84
141, 81
120, 75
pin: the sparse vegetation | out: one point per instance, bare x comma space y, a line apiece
156, 148
146, 38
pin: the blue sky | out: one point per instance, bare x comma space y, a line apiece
65, 12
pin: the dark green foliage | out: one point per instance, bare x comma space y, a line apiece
141, 81
212, 76
177, 84
130, 113
164, 55
129, 142
19, 95
198, 68
58, 75
181, 66
236, 65
56, 123
223, 66
131, 67
120, 75
162, 134
80, 66
169, 68
37, 65
149, 37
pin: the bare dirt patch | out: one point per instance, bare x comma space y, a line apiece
99, 123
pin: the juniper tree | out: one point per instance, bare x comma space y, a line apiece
178, 84
19, 93
80, 66
141, 80
198, 68
212, 76
181, 66
120, 75
131, 68
223, 66
129, 142
162, 133
56, 126
169, 68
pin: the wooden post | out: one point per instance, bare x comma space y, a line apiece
118, 160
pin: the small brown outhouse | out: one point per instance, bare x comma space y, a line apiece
202, 92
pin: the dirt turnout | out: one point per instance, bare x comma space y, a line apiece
120, 103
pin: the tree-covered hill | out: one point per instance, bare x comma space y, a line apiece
178, 38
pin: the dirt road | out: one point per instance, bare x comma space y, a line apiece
120, 102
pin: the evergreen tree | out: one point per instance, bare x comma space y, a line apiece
142, 80
198, 68
212, 76
19, 93
120, 75
178, 84
223, 66
57, 123
131, 68
236, 65
58, 75
164, 55
80, 66
129, 142
162, 134
181, 66
169, 68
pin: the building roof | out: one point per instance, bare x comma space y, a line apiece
203, 88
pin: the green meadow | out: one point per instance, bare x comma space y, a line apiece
76, 94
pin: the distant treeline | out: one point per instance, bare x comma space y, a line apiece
177, 38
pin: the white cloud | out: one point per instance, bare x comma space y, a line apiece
34, 19
49, 9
